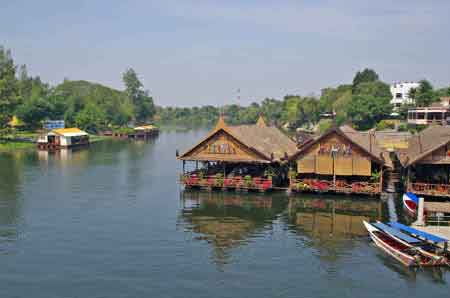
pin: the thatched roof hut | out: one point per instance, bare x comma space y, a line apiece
365, 143
427, 147
258, 143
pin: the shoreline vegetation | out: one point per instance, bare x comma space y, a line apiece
27, 141
26, 101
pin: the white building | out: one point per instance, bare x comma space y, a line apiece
63, 138
400, 93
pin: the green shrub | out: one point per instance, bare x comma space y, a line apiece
384, 124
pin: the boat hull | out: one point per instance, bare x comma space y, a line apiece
410, 205
403, 258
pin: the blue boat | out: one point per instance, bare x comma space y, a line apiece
396, 230
397, 234
420, 234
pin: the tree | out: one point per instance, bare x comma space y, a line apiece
424, 95
34, 111
376, 89
143, 104
91, 118
367, 110
9, 89
365, 76
74, 106
25, 83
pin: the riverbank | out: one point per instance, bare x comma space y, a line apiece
27, 141
9, 146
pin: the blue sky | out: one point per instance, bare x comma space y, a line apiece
196, 52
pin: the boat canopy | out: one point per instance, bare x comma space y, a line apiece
424, 235
397, 233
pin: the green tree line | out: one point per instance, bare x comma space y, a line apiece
364, 102
87, 105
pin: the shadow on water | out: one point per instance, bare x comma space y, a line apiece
227, 220
434, 274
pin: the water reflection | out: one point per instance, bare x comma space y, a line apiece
329, 224
226, 220
433, 274
10, 190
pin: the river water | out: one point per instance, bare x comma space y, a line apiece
111, 221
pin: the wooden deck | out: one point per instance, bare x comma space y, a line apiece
427, 189
316, 185
228, 183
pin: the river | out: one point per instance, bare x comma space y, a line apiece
111, 221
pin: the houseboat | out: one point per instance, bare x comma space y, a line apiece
63, 138
242, 158
342, 160
144, 131
427, 162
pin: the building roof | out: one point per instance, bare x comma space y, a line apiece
424, 143
268, 141
69, 132
145, 127
366, 141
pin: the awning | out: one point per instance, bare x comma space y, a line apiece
424, 235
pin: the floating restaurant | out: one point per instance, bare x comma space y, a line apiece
63, 138
342, 160
242, 158
427, 162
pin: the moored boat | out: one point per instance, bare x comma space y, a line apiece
413, 242
410, 203
430, 242
406, 255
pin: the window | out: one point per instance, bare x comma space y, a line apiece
398, 95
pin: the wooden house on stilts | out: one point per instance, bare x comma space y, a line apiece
427, 162
243, 157
341, 160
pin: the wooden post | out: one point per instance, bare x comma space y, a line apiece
408, 170
420, 213
334, 172
381, 180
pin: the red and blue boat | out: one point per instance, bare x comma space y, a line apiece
410, 203
400, 246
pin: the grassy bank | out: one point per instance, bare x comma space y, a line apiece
11, 146
14, 141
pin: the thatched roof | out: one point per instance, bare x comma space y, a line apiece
267, 141
366, 141
424, 143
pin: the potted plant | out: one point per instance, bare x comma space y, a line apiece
218, 181
248, 181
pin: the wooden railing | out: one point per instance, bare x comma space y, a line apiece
317, 185
245, 183
438, 220
440, 190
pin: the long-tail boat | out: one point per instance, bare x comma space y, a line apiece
430, 242
422, 246
408, 256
